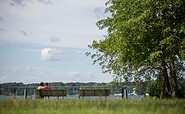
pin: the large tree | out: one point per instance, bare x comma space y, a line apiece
145, 37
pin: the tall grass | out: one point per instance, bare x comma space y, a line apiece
97, 106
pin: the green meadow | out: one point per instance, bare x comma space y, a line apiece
92, 106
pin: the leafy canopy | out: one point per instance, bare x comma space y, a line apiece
141, 34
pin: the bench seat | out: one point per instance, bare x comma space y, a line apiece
47, 93
94, 92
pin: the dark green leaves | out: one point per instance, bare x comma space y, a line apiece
141, 34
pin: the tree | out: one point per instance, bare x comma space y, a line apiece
144, 37
154, 89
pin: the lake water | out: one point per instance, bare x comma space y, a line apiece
3, 97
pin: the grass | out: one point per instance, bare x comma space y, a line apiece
97, 106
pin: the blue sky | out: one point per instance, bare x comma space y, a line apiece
46, 40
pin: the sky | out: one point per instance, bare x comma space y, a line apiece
46, 40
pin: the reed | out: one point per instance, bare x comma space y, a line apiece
90, 106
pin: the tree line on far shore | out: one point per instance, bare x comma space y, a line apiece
141, 87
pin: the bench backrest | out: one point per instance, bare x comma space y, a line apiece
51, 92
94, 92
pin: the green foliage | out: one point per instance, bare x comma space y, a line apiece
142, 34
181, 86
141, 87
154, 89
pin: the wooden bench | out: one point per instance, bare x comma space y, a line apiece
48, 93
94, 92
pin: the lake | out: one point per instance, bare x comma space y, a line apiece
3, 97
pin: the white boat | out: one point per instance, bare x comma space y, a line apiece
117, 94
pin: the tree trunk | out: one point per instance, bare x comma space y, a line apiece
167, 81
164, 78
174, 80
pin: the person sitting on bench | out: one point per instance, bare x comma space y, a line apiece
41, 86
47, 87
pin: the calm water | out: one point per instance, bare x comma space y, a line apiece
3, 97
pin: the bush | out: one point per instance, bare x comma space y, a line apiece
154, 89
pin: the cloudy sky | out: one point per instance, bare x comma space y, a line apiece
45, 40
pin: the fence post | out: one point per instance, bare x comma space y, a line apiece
34, 94
14, 91
124, 93
25, 94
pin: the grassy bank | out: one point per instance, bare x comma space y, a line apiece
45, 106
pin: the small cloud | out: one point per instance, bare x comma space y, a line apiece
99, 12
51, 54
21, 3
55, 39
73, 74
25, 3
2, 29
78, 51
27, 79
20, 69
3, 78
78, 76
1, 18
24, 33
45, 1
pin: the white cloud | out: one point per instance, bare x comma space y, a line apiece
73, 74
45, 1
98, 12
26, 79
55, 39
68, 25
74, 22
79, 76
3, 78
24, 33
51, 54
14, 69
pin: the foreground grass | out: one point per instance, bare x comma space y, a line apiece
103, 106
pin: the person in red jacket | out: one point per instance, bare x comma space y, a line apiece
47, 87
